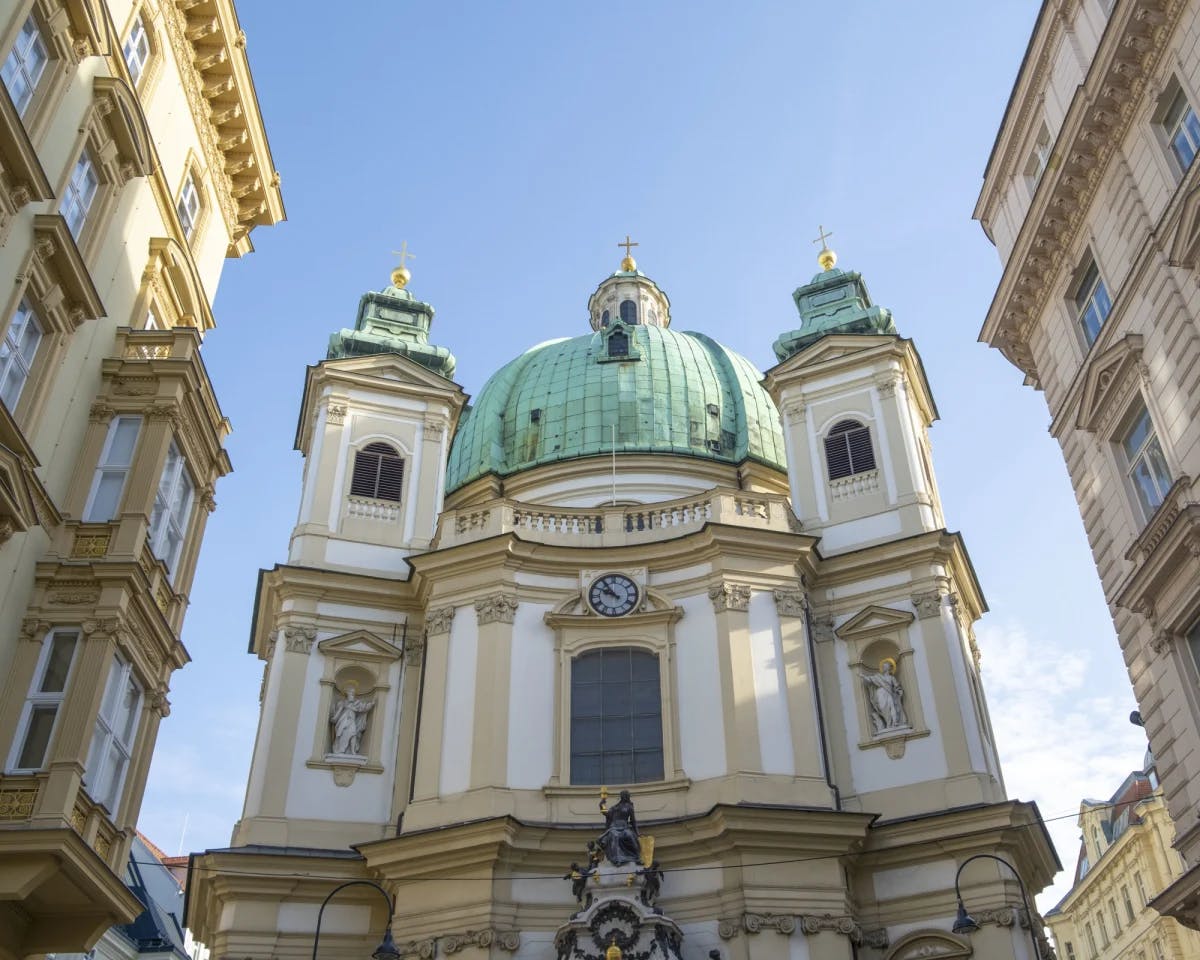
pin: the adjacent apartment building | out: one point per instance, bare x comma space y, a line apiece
1124, 853
1092, 198
133, 161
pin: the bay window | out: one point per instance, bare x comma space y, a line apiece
35, 730
172, 508
116, 457
112, 739
25, 64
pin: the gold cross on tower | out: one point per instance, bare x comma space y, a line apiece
401, 275
629, 265
826, 258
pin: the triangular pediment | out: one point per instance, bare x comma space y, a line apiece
391, 366
359, 645
929, 945
873, 620
1107, 382
836, 346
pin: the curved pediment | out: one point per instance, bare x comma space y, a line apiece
929, 945
122, 116
181, 283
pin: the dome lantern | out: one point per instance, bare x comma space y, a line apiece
630, 296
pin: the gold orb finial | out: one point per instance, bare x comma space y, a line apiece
613, 952
401, 275
826, 258
628, 264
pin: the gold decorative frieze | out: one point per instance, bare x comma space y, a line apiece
16, 803
162, 597
730, 596
90, 545
496, 608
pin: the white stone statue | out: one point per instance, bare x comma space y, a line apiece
885, 699
348, 718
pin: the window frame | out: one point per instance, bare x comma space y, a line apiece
15, 359
70, 198
104, 468
1130, 462
1169, 128
1037, 157
34, 83
191, 215
835, 433
138, 74
163, 518
392, 453
1130, 913
1081, 298
635, 654
105, 737
35, 698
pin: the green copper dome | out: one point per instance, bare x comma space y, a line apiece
666, 392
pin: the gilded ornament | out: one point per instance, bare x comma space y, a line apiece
16, 803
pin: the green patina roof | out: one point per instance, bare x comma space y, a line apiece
392, 321
559, 399
834, 301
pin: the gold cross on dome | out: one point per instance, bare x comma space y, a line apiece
824, 237
403, 253
628, 244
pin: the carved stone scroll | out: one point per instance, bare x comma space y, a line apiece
496, 608
730, 596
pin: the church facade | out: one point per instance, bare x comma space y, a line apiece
641, 651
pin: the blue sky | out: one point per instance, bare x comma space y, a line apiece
512, 146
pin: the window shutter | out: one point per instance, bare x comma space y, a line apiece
862, 456
378, 473
366, 474
848, 449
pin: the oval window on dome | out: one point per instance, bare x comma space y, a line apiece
629, 311
604, 318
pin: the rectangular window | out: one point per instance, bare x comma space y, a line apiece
137, 49
1104, 941
104, 500
1137, 882
1091, 938
112, 740
1116, 917
36, 727
1092, 303
25, 65
1182, 129
80, 192
188, 206
1129, 912
1039, 157
20, 343
616, 717
1146, 466
1070, 950
172, 507
1158, 950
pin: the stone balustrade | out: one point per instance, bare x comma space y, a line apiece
368, 508
846, 488
615, 525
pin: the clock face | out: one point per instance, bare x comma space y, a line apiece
613, 595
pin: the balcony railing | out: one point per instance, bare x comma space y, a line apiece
615, 525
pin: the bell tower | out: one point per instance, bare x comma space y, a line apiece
856, 409
375, 427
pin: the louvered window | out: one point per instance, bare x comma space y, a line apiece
848, 449
618, 344
378, 473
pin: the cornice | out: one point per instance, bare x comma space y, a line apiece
1096, 123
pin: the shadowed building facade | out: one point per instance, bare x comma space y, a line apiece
633, 564
133, 162
1092, 198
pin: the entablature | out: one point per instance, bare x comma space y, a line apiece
1096, 122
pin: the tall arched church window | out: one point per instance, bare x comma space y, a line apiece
616, 717
848, 449
604, 319
378, 473
629, 311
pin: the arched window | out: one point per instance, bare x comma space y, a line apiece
378, 473
618, 344
848, 449
629, 311
616, 717
604, 318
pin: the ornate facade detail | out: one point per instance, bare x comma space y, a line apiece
72, 593
438, 621
928, 604
16, 803
90, 545
730, 596
887, 386
783, 923
34, 629
795, 411
135, 386
845, 925
790, 602
418, 949
496, 608
101, 412
208, 498
508, 940
335, 413
434, 428
414, 651
299, 639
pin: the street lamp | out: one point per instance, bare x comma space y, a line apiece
965, 923
387, 947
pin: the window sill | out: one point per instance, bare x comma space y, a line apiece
569, 791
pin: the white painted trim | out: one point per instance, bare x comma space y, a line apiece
884, 460
410, 508
339, 473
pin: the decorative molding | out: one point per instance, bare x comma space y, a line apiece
335, 414
101, 412
928, 604
434, 428
299, 639
508, 940
414, 651
845, 925
886, 385
72, 593
795, 411
437, 621
874, 620
496, 608
730, 596
790, 602
930, 944
90, 545
418, 949
783, 923
16, 803
34, 629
